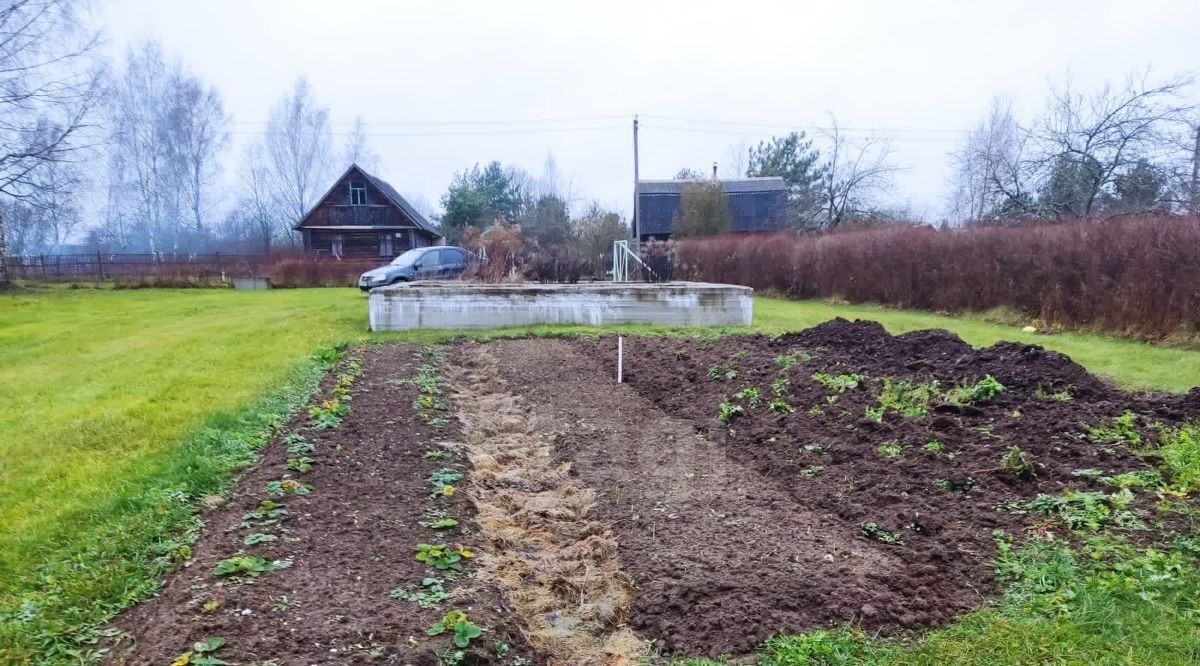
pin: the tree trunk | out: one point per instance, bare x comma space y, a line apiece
4, 281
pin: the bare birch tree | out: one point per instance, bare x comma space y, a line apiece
49, 84
298, 149
855, 173
990, 176
357, 150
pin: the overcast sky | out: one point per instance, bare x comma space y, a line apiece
441, 84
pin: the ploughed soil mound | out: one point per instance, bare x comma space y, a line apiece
350, 543
832, 514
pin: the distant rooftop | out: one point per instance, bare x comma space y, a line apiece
731, 185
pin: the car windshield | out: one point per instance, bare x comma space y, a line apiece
408, 258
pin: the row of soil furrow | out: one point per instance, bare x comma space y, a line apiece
348, 543
721, 555
555, 563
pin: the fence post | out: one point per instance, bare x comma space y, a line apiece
42, 257
219, 271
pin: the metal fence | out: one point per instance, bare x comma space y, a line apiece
215, 265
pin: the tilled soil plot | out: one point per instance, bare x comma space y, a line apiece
350, 543
775, 534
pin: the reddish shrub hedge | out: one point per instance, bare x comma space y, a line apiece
1137, 277
314, 272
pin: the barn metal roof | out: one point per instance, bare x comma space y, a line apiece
730, 185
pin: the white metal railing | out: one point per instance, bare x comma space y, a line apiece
622, 253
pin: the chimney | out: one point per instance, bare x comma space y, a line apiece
714, 170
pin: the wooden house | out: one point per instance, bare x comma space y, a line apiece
364, 215
757, 204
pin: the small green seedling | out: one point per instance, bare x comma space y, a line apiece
719, 373
778, 406
433, 454
444, 524
972, 394
874, 414
1018, 464
249, 565
431, 593
300, 464
266, 513
727, 411
752, 396
464, 630
952, 486
932, 447
288, 487
816, 448
780, 386
297, 445
258, 537
812, 471
201, 653
906, 398
875, 532
444, 478
890, 450
1120, 430
840, 383
441, 556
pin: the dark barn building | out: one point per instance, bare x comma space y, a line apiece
757, 204
364, 215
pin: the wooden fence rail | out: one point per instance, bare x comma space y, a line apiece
214, 266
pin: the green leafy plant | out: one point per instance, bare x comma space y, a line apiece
972, 394
201, 653
456, 621
906, 398
288, 486
248, 565
890, 450
1088, 511
932, 447
789, 360
875, 532
444, 524
1179, 449
266, 513
816, 448
257, 538
297, 445
812, 471
751, 395
441, 556
433, 454
875, 414
719, 373
952, 486
839, 383
443, 478
1062, 395
1018, 464
329, 414
780, 386
300, 464
778, 406
1119, 430
431, 592
816, 410
727, 411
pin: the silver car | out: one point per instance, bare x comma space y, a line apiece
423, 263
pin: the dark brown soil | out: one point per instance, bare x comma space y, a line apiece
730, 537
351, 542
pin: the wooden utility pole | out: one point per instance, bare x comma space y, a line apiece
1194, 192
637, 218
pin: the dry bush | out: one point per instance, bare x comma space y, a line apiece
1137, 277
502, 246
557, 264
171, 280
314, 272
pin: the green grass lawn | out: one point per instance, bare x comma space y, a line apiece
119, 409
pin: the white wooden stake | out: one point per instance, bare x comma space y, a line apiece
620, 358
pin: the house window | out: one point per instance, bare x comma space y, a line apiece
336, 246
385, 245
358, 194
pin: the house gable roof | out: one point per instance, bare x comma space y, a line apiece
393, 196
730, 185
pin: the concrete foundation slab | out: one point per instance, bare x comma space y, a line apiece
470, 305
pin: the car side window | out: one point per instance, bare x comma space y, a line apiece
431, 259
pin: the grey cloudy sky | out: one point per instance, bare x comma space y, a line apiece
437, 82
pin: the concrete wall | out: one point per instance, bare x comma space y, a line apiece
467, 305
